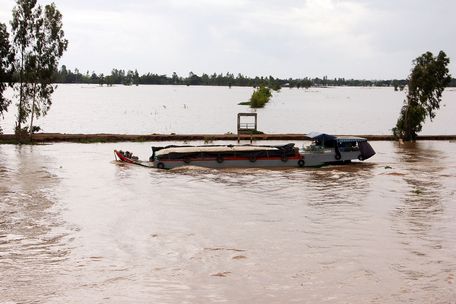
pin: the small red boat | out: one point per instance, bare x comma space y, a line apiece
128, 157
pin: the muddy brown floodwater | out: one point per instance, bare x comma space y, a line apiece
75, 227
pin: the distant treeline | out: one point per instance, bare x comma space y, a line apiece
117, 76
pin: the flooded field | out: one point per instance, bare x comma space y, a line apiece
77, 227
188, 110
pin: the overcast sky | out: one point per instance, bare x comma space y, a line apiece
370, 39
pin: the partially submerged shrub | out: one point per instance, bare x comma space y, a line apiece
260, 97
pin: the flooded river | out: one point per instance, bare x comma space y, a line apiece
75, 227
188, 110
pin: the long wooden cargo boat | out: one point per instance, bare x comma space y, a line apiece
220, 156
325, 149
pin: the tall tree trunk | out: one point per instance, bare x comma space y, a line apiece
406, 134
21, 96
33, 112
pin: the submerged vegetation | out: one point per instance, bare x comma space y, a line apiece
260, 97
425, 86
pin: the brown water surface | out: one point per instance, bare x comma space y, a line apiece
77, 227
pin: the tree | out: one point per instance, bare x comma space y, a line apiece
175, 78
101, 79
22, 27
425, 86
39, 40
49, 47
193, 79
260, 97
63, 74
6, 69
136, 78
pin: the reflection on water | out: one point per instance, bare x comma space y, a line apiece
419, 219
422, 204
76, 225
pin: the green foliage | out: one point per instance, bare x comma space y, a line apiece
425, 86
6, 68
260, 97
132, 77
38, 39
22, 27
276, 87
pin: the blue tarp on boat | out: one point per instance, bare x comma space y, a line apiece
323, 137
332, 141
350, 139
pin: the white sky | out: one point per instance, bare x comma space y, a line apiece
364, 39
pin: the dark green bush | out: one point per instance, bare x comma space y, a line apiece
260, 97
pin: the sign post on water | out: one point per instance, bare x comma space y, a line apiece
246, 126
